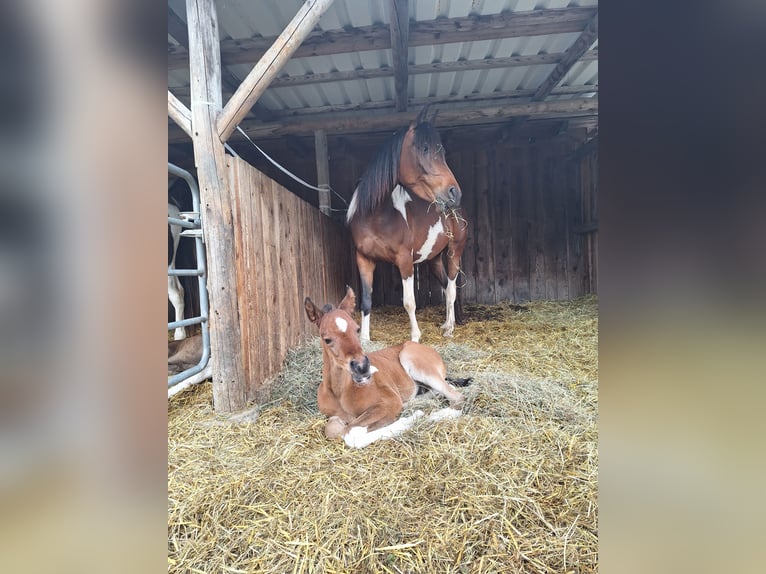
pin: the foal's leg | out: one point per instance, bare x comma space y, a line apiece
425, 366
366, 271
407, 271
454, 251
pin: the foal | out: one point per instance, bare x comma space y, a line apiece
364, 394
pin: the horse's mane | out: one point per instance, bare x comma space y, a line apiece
379, 179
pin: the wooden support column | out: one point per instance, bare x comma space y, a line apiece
259, 78
229, 387
399, 12
323, 171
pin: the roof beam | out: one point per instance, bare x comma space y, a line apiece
455, 114
259, 78
571, 57
178, 30
399, 13
435, 67
427, 33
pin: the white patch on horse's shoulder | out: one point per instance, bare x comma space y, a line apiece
400, 198
433, 234
351, 208
341, 323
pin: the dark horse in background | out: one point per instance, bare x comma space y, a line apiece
406, 210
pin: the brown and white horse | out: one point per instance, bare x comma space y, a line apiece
405, 210
364, 394
175, 289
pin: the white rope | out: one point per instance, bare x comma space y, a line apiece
288, 172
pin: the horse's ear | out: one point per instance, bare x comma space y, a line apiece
422, 115
349, 301
312, 311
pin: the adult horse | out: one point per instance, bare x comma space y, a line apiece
405, 210
175, 289
364, 394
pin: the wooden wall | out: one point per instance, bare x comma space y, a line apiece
286, 250
531, 204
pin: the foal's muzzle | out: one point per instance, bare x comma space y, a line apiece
360, 370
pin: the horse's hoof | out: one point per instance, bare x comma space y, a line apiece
334, 427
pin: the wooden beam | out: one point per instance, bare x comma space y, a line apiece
399, 14
269, 65
371, 120
179, 113
230, 389
427, 33
588, 147
323, 171
571, 57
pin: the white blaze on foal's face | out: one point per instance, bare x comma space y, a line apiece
342, 324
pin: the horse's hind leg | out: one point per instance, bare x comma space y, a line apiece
176, 296
366, 271
437, 270
425, 366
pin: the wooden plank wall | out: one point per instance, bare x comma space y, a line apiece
286, 250
523, 204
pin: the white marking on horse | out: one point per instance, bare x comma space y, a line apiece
400, 198
341, 323
175, 289
358, 437
408, 299
373, 369
433, 234
351, 208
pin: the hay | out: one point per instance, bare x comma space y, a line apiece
510, 487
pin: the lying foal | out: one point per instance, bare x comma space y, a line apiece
364, 394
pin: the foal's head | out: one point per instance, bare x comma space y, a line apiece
340, 336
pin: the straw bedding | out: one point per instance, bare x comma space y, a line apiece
511, 486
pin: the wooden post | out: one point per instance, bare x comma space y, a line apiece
323, 171
179, 113
229, 386
259, 78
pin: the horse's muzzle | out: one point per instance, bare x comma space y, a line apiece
453, 196
360, 370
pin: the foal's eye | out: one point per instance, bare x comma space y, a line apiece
425, 148
328, 341
358, 330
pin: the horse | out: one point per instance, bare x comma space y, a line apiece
175, 289
364, 394
406, 210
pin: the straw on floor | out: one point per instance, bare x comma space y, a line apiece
511, 486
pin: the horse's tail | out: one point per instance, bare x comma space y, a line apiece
459, 382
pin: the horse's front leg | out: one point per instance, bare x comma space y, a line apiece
378, 422
366, 271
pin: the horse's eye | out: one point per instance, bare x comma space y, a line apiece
328, 341
425, 148
358, 330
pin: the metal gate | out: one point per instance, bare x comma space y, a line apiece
191, 224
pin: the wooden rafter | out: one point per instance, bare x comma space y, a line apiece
427, 33
349, 122
259, 78
571, 57
178, 30
179, 113
399, 13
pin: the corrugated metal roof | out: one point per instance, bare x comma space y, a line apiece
240, 19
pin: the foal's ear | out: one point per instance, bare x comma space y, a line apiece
349, 301
312, 312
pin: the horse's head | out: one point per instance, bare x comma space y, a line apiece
422, 167
340, 336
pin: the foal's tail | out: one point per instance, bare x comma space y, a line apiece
459, 382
